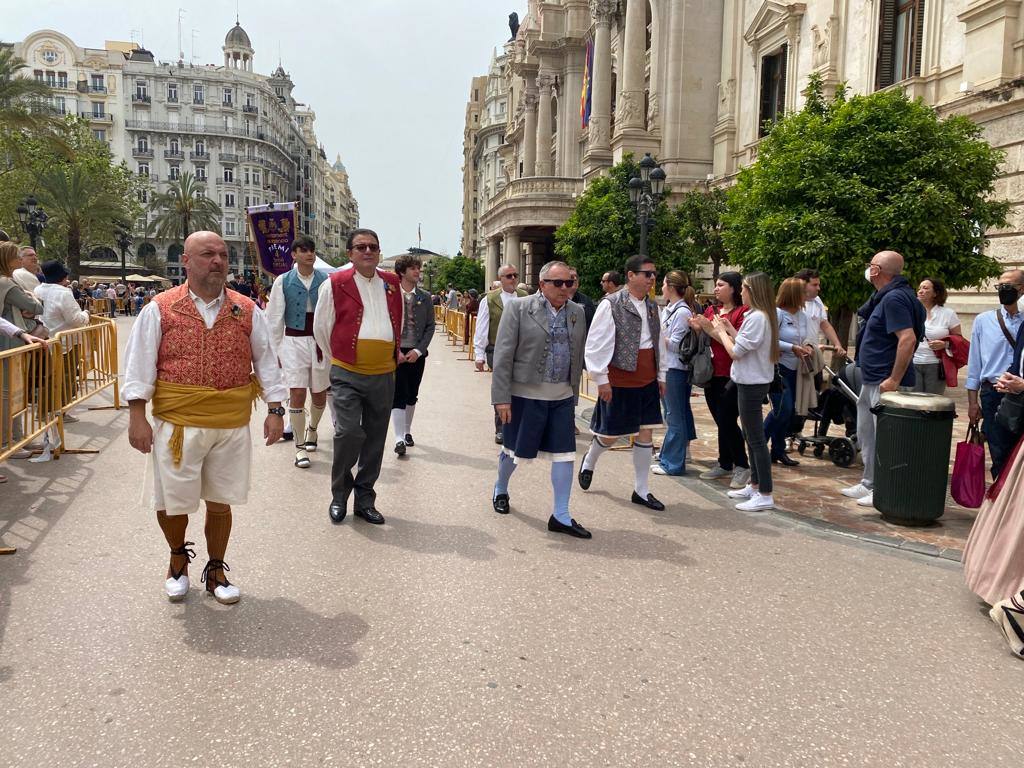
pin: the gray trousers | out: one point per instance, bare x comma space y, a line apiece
926, 379
362, 412
866, 420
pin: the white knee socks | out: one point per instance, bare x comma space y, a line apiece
297, 417
409, 411
642, 454
398, 423
593, 454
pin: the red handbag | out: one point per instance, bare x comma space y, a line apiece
967, 485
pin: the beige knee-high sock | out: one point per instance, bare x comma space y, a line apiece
297, 416
315, 413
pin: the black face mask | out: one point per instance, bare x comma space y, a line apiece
1008, 295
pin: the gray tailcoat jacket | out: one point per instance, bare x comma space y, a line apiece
423, 320
521, 348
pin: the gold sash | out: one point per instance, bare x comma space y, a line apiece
185, 405
373, 357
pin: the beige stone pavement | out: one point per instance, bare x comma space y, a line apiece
452, 636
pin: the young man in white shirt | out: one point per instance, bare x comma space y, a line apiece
817, 314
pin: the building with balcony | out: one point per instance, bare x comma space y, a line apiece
238, 132
693, 82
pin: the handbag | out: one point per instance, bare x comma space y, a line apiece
1010, 414
967, 485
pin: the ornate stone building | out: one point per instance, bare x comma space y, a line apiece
241, 134
692, 82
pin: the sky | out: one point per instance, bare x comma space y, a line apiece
388, 80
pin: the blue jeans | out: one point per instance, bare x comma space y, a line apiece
776, 426
1000, 443
679, 418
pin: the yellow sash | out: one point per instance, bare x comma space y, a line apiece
373, 357
185, 405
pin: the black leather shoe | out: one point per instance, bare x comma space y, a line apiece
337, 512
575, 529
585, 477
785, 461
498, 439
409, 441
650, 502
370, 515
501, 504
287, 437
400, 448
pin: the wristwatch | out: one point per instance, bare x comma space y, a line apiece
279, 411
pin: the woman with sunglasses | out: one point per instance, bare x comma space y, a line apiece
754, 350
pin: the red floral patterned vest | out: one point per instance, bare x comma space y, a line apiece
190, 353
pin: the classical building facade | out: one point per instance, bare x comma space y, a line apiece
240, 133
693, 82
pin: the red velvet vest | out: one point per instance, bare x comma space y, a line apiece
190, 353
348, 312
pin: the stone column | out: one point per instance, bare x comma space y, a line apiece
544, 82
630, 107
670, 128
513, 251
599, 144
530, 134
491, 265
569, 120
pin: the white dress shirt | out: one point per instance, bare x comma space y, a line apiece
376, 322
483, 325
601, 339
144, 344
60, 310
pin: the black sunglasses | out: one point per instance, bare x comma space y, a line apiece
366, 247
512, 275
646, 272
560, 283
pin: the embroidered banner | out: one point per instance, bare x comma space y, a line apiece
272, 228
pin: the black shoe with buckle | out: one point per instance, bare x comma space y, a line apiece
400, 448
650, 502
501, 504
574, 529
585, 477
409, 441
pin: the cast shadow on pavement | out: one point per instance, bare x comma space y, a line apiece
428, 538
618, 544
276, 628
437, 455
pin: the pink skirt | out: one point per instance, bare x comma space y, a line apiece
994, 554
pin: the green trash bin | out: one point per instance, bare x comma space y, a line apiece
913, 438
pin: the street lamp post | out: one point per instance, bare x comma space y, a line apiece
124, 242
33, 219
645, 192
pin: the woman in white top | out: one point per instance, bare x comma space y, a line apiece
940, 323
755, 351
675, 327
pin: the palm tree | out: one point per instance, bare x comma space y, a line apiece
24, 108
81, 205
182, 210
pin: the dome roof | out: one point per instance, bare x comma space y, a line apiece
236, 37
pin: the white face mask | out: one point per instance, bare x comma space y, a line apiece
867, 274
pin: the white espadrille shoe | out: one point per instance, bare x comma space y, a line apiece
223, 591
177, 584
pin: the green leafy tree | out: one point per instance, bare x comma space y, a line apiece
602, 232
842, 179
699, 216
182, 210
462, 272
25, 112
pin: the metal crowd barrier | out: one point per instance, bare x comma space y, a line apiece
29, 395
88, 362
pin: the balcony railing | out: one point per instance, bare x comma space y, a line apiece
97, 117
140, 152
174, 154
199, 102
199, 155
97, 89
141, 98
251, 109
172, 100
228, 157
217, 130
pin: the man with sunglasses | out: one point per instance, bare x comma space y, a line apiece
487, 320
358, 318
622, 359
538, 361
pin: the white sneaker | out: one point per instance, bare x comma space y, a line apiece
740, 477
866, 501
657, 469
70, 419
746, 492
758, 503
857, 491
714, 473
176, 589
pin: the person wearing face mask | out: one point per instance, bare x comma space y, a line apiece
891, 327
992, 341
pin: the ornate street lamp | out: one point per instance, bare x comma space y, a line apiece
33, 219
646, 190
124, 242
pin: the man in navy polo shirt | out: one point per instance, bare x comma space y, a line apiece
891, 325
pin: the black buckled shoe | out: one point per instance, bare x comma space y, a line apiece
370, 515
409, 441
501, 504
498, 439
575, 529
650, 502
337, 512
400, 448
585, 477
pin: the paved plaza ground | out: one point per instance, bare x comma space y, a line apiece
452, 636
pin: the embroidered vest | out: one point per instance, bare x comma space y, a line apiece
190, 353
628, 326
296, 296
495, 306
348, 312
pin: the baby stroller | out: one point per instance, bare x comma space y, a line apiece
836, 405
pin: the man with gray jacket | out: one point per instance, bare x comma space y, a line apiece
538, 360
417, 331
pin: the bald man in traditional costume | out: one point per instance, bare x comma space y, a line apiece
201, 355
